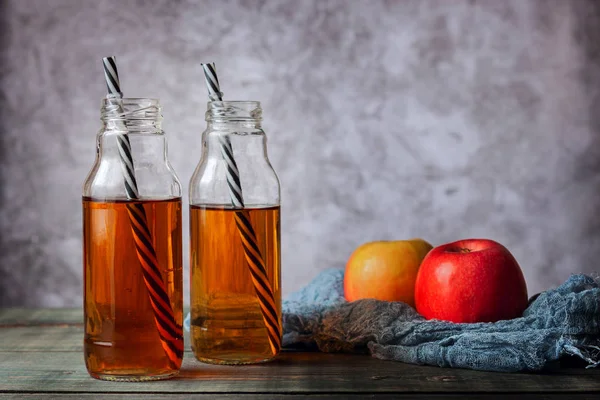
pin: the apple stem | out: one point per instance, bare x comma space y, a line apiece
464, 250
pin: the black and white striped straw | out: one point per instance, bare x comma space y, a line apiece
233, 174
169, 330
111, 75
212, 82
254, 258
124, 145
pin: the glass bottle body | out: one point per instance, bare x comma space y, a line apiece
228, 323
122, 336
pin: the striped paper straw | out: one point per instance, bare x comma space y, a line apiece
254, 258
170, 332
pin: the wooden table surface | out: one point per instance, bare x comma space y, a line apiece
41, 358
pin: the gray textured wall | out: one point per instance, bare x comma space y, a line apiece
387, 119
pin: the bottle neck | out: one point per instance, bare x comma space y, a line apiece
132, 115
139, 119
232, 125
234, 115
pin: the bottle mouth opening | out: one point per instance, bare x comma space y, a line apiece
242, 111
130, 109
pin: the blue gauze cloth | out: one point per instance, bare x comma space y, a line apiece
561, 321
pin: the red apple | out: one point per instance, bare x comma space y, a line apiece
474, 280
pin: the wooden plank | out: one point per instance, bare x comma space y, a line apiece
294, 373
262, 396
41, 338
47, 316
41, 355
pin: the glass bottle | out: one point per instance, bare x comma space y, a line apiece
228, 322
133, 301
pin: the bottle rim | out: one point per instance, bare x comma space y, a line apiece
153, 100
235, 110
130, 108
